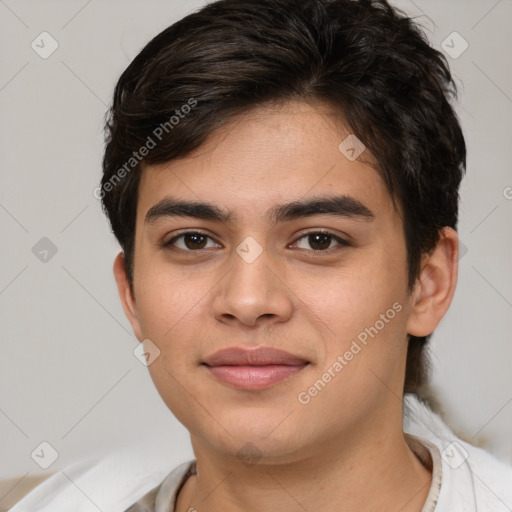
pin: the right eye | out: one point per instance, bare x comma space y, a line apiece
190, 241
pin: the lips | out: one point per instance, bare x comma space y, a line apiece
257, 357
253, 369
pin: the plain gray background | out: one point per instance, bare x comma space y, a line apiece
68, 374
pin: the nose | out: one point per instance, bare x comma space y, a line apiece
251, 292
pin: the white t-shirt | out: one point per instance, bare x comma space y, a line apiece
464, 478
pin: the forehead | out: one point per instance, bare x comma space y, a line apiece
268, 156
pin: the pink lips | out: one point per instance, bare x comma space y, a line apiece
253, 369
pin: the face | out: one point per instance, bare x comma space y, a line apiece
327, 286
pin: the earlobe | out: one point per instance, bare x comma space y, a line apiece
435, 285
125, 294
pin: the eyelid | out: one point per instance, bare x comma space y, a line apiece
342, 241
179, 234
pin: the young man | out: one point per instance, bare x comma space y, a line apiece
283, 179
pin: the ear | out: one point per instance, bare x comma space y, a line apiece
435, 286
126, 295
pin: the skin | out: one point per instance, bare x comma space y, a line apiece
345, 449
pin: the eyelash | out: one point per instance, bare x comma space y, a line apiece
341, 241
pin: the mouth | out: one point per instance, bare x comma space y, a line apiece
253, 369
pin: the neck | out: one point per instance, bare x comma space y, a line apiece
372, 470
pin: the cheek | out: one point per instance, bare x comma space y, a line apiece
175, 313
367, 325
361, 311
167, 312
351, 297
164, 293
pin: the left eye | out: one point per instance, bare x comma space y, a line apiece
320, 240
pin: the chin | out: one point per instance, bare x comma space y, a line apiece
262, 436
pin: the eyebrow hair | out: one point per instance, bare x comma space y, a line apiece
343, 206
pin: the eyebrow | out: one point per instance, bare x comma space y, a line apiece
342, 206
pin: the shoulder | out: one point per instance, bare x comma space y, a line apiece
12, 490
131, 473
492, 479
471, 477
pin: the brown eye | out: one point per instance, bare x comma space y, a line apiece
194, 241
320, 241
190, 241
